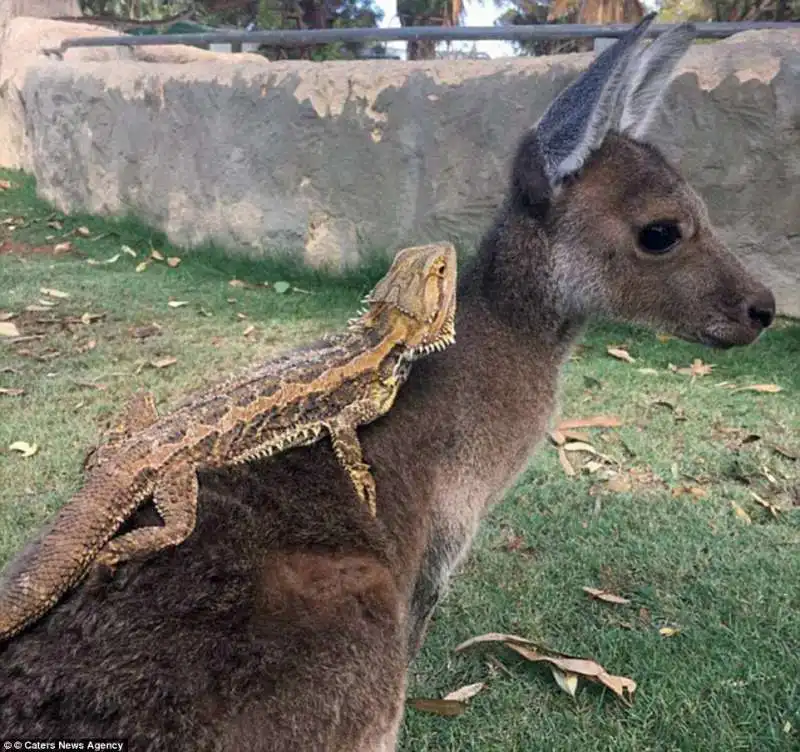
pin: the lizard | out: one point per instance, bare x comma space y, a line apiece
328, 387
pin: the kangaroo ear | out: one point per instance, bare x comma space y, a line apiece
579, 118
648, 76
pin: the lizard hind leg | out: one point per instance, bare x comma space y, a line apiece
139, 413
175, 498
348, 451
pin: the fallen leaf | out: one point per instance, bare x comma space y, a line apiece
241, 316
787, 727
620, 354
281, 287
164, 362
492, 637
466, 692
582, 667
557, 437
740, 513
5, 185
88, 318
55, 224
53, 293
669, 631
579, 446
762, 388
664, 337
619, 484
25, 449
593, 466
647, 371
597, 421
11, 392
248, 331
127, 249
173, 261
236, 283
784, 452
566, 681
698, 368
8, 329
604, 595
83, 232
773, 510
90, 345
565, 463
177, 303
447, 708
142, 332
64, 247
141, 266
156, 255
696, 491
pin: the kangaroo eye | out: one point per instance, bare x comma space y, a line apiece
659, 237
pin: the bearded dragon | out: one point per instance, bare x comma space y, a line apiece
327, 388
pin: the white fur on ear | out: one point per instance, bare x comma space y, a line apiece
649, 74
577, 121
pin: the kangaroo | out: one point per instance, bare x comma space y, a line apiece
288, 620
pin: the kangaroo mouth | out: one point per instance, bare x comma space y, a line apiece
723, 335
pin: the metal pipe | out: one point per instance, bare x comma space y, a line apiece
295, 38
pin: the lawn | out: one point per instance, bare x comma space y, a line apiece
666, 510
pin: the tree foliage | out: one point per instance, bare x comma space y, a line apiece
428, 13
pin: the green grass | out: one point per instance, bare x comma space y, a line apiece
727, 681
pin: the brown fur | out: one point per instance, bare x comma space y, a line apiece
286, 620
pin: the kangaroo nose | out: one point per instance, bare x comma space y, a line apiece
761, 309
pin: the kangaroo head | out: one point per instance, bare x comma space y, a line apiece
628, 236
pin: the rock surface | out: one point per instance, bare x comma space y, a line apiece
337, 160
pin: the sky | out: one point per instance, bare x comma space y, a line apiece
478, 14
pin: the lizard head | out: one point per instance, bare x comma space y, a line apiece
418, 294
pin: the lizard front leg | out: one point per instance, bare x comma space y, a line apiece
347, 447
175, 498
139, 413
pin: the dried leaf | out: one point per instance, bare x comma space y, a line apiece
698, 368
492, 637
88, 318
762, 388
579, 446
567, 681
586, 668
64, 247
11, 392
467, 692
8, 329
597, 421
55, 224
127, 249
565, 463
740, 513
5, 185
83, 232
156, 255
53, 293
557, 437
619, 484
164, 362
603, 595
141, 266
669, 631
648, 371
664, 337
618, 352
25, 449
783, 451
593, 466
447, 708
248, 331
177, 303
773, 510
236, 283
173, 261
281, 287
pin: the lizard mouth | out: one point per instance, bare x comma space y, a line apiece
446, 338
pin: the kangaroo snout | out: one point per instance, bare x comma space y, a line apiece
760, 310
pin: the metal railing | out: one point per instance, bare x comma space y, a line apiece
295, 38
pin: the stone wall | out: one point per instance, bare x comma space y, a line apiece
337, 159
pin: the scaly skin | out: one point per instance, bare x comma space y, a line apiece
327, 388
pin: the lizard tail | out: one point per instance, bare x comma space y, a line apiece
61, 554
